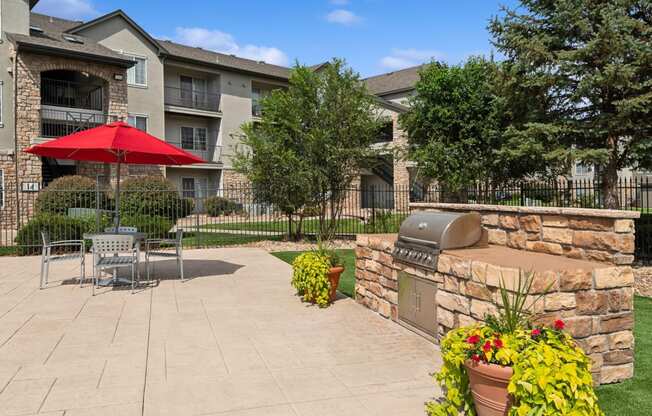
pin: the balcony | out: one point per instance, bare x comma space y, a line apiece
70, 94
57, 121
181, 100
212, 154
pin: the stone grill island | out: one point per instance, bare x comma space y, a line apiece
584, 255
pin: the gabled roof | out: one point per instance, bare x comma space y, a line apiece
180, 52
49, 37
394, 82
118, 13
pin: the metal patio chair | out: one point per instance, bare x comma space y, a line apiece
174, 246
48, 257
113, 251
121, 229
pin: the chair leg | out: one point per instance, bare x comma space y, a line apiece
83, 271
94, 280
42, 271
180, 261
47, 273
133, 276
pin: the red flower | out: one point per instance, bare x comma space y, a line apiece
486, 347
474, 339
559, 324
535, 332
475, 358
498, 343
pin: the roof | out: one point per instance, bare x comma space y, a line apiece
393, 82
50, 38
118, 13
203, 56
390, 105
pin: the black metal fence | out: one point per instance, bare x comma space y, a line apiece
233, 215
634, 194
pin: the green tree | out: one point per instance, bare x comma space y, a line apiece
458, 126
311, 142
589, 64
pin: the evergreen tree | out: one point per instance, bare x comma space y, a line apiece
588, 63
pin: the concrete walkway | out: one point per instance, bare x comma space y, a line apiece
232, 340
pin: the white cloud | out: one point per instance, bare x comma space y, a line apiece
343, 17
67, 9
404, 58
219, 41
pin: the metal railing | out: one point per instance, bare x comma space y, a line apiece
61, 122
188, 98
70, 94
234, 214
209, 153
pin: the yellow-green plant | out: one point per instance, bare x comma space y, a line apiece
310, 277
552, 375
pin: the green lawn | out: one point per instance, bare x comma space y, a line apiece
347, 280
634, 397
344, 225
219, 239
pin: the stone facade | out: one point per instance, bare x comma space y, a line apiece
596, 305
643, 281
28, 118
597, 235
401, 172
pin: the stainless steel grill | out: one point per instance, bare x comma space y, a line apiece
424, 234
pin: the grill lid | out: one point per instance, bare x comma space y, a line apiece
442, 230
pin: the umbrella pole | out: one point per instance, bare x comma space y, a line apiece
117, 199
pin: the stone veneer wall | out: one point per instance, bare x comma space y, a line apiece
596, 302
588, 234
28, 106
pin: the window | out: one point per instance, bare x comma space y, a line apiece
583, 170
137, 121
137, 74
188, 187
2, 188
194, 138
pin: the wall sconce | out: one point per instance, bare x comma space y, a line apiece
118, 77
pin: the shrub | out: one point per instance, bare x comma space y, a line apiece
153, 226
310, 277
69, 192
153, 196
217, 205
60, 227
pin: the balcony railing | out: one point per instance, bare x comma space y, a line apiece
61, 122
209, 153
70, 94
199, 100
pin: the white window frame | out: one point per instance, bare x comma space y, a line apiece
137, 115
194, 138
194, 187
135, 57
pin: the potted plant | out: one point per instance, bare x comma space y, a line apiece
316, 275
508, 366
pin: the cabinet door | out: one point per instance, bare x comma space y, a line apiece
406, 297
426, 306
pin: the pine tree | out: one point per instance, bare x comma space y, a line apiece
590, 63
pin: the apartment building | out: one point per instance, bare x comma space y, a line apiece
60, 76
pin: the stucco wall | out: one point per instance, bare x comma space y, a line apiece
120, 36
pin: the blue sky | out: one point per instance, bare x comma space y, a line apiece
374, 36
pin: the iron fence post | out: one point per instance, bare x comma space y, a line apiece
373, 207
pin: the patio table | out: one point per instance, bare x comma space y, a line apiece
115, 280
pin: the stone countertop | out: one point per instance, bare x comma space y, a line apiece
525, 260
575, 212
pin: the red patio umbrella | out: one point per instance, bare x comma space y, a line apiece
115, 143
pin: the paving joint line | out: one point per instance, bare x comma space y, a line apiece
99, 381
5, 342
20, 367
117, 324
54, 348
149, 330
217, 343
46, 395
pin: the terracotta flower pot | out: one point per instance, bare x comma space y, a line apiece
489, 388
334, 277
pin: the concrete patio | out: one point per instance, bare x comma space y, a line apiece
232, 340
